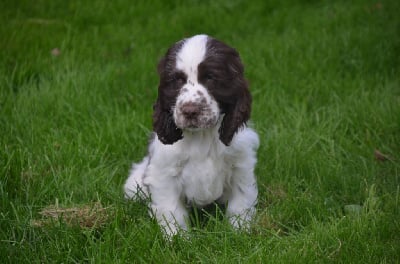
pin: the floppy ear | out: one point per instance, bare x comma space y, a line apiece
232, 92
163, 121
164, 125
236, 115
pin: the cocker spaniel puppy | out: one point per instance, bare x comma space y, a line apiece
202, 151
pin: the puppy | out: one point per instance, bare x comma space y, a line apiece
201, 151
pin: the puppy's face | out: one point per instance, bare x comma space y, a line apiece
200, 79
195, 107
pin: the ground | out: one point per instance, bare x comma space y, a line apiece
78, 80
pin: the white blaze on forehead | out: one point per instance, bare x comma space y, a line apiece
191, 55
188, 58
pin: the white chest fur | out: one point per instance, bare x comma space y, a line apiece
203, 180
198, 169
198, 165
204, 170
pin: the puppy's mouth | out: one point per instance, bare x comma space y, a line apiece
192, 126
194, 116
198, 124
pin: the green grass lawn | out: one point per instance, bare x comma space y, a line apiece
77, 84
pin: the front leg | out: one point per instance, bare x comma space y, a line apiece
242, 199
166, 204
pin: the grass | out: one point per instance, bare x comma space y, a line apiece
77, 85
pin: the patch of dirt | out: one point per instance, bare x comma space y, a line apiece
86, 216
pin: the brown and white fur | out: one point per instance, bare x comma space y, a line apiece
202, 150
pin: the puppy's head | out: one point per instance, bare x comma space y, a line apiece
201, 80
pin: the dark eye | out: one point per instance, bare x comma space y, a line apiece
209, 77
179, 79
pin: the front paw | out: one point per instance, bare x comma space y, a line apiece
172, 229
242, 220
171, 222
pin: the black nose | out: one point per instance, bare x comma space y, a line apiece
190, 110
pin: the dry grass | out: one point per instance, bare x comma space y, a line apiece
85, 216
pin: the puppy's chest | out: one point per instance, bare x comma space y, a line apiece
203, 180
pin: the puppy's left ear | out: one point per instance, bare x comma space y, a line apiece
236, 115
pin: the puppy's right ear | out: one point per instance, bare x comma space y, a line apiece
164, 125
163, 121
